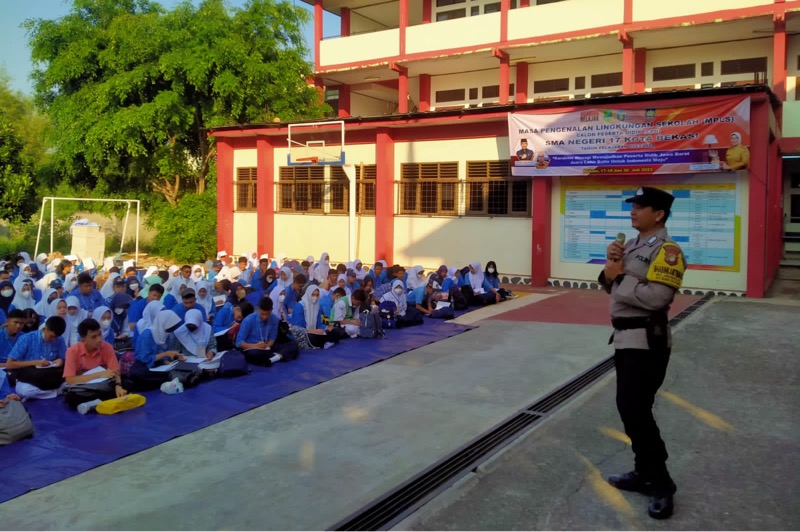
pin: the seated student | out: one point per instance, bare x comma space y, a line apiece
75, 315
24, 298
331, 281
341, 282
493, 277
90, 353
423, 297
306, 319
405, 316
37, 360
477, 288
189, 302
238, 293
198, 273
133, 287
369, 288
451, 280
103, 317
360, 271
120, 304
204, 299
346, 311
247, 272
416, 278
152, 349
258, 335
278, 297
107, 290
195, 338
136, 310
88, 297
10, 334
293, 292
42, 308
31, 320
319, 270
351, 282
263, 277
149, 314
227, 323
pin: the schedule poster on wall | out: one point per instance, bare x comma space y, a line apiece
705, 221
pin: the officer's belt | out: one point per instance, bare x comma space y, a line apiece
639, 322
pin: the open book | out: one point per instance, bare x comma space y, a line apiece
165, 367
98, 369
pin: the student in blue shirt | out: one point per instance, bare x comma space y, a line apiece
87, 295
37, 359
103, 317
263, 277
494, 279
10, 334
119, 306
189, 302
136, 310
480, 290
351, 283
152, 350
258, 334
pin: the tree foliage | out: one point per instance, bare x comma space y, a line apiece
17, 193
132, 88
183, 230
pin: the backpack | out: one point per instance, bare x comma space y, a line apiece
15, 423
388, 313
187, 373
457, 299
371, 325
232, 364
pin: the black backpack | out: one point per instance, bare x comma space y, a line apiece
371, 325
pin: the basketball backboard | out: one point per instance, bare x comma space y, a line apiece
316, 143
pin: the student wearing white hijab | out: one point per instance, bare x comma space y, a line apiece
482, 291
70, 283
172, 273
103, 316
285, 277
307, 319
107, 290
152, 270
321, 268
24, 296
341, 282
58, 307
397, 295
195, 338
75, 315
198, 273
42, 308
149, 314
204, 298
416, 278
152, 349
278, 297
41, 262
358, 267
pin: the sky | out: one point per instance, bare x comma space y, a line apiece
14, 52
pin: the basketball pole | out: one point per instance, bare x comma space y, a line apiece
350, 172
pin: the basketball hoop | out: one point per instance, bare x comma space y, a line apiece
311, 160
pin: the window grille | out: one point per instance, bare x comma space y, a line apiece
429, 188
492, 192
301, 189
246, 186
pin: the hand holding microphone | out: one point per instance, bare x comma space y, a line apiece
616, 248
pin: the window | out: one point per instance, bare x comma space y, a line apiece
492, 91
429, 188
744, 66
580, 83
797, 88
453, 9
332, 99
551, 85
707, 69
492, 192
365, 189
301, 189
246, 183
473, 93
612, 79
452, 95
671, 72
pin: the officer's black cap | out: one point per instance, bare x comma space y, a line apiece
656, 198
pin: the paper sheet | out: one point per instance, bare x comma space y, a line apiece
165, 367
98, 369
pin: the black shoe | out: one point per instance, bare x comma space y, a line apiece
660, 505
631, 481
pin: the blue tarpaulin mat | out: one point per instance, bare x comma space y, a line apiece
67, 443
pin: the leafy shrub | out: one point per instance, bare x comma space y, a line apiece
187, 232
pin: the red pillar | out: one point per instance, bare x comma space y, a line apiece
403, 15
317, 31
505, 6
319, 84
628, 65
265, 196
524, 3
224, 194
424, 92
504, 74
344, 101
775, 210
427, 12
779, 57
640, 70
521, 85
402, 88
627, 12
384, 196
344, 16
540, 256
759, 174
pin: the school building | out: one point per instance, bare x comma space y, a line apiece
511, 131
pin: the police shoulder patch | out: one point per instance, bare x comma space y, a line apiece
668, 267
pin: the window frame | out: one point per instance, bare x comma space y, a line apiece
312, 185
482, 177
246, 179
420, 179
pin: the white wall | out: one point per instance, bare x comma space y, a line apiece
707, 279
245, 233
453, 33
466, 81
567, 16
570, 69
301, 235
362, 47
369, 106
651, 10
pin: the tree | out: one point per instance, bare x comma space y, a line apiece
17, 194
30, 126
132, 88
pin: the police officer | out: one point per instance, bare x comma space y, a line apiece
642, 277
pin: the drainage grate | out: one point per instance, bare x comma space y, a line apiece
392, 507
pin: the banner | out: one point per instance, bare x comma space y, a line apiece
708, 137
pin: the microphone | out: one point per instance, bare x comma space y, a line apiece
620, 240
